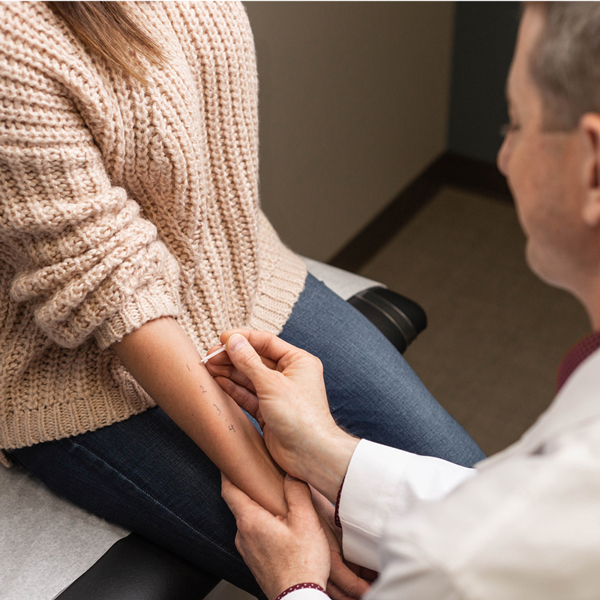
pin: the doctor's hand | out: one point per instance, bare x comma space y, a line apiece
283, 388
347, 581
280, 551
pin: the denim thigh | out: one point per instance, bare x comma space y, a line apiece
148, 476
372, 391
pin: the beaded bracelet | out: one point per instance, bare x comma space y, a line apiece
300, 586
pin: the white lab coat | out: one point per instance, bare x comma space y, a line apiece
525, 527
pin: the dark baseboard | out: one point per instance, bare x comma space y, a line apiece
452, 170
476, 176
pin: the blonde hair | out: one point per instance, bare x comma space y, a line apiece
108, 30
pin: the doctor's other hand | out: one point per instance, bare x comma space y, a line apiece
280, 551
283, 388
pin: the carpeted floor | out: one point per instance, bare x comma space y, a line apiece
496, 334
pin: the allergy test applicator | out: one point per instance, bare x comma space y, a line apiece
207, 358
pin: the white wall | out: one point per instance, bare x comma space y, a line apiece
353, 105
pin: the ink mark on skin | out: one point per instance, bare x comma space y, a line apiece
188, 366
203, 390
217, 408
232, 428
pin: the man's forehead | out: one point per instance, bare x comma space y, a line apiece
511, 86
530, 30
507, 90
519, 76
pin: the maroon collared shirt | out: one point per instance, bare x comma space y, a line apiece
575, 356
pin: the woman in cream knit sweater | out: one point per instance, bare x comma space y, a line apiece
130, 238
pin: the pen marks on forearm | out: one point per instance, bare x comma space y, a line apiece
220, 412
203, 390
188, 366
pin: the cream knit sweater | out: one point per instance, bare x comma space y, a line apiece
121, 203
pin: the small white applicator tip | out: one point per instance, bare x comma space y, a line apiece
207, 358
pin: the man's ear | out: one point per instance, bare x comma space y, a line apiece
589, 126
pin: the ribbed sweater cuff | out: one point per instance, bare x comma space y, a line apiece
150, 302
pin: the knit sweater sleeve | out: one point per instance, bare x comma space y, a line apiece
82, 253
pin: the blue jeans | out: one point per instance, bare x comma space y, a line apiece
146, 475
372, 391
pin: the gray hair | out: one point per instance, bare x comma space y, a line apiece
565, 62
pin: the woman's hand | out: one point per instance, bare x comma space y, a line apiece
283, 388
280, 551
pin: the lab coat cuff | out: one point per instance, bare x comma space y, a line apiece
381, 480
367, 496
306, 594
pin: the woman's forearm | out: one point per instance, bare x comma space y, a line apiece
163, 360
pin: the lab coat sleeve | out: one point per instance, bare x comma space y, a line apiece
381, 480
306, 594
